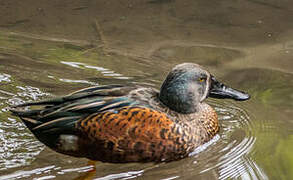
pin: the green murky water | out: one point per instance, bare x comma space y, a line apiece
57, 47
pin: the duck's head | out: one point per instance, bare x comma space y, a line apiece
187, 85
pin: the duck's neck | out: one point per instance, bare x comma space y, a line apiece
208, 118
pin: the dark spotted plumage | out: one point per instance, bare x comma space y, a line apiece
116, 123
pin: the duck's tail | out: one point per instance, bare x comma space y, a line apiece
48, 132
28, 117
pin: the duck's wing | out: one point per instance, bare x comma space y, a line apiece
60, 114
80, 103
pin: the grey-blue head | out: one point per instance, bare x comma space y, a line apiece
188, 84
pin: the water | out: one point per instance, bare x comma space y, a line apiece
59, 47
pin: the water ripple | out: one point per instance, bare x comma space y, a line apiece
26, 174
237, 141
104, 71
5, 77
17, 145
125, 175
78, 81
31, 93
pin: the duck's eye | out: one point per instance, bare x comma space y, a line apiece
201, 79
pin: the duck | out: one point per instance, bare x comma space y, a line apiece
129, 123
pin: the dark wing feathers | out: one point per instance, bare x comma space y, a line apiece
54, 112
59, 124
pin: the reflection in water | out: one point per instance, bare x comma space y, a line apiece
104, 71
77, 81
17, 145
30, 93
74, 81
4, 77
26, 174
80, 169
233, 164
234, 161
45, 173
125, 175
170, 178
205, 146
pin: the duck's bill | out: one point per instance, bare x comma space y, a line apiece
221, 91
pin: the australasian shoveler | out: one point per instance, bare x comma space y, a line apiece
117, 123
